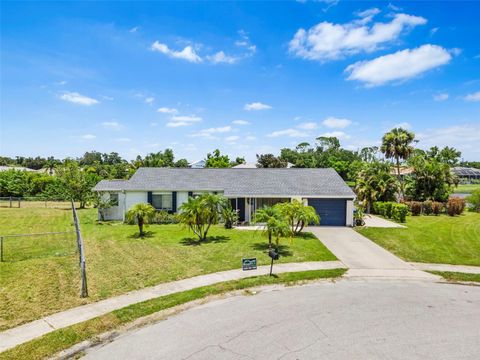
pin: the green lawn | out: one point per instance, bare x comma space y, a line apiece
457, 276
433, 239
41, 275
466, 188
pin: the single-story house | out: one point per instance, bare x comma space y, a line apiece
247, 189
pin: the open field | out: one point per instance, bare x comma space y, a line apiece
118, 261
433, 239
466, 188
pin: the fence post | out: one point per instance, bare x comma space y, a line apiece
10, 201
1, 248
83, 269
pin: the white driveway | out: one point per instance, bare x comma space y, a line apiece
363, 257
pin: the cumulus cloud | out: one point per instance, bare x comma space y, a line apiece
208, 133
188, 53
473, 97
328, 41
112, 125
232, 139
221, 57
88, 137
240, 122
336, 123
308, 126
76, 98
337, 134
256, 106
183, 120
167, 110
440, 97
289, 133
402, 65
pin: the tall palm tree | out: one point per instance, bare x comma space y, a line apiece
141, 214
396, 144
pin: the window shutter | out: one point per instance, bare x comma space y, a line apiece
150, 197
190, 193
174, 201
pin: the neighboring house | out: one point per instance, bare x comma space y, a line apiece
200, 164
466, 174
248, 190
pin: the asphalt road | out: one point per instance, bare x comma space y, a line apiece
350, 319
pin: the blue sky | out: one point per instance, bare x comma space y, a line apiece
245, 77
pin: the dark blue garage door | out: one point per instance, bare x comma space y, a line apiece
332, 211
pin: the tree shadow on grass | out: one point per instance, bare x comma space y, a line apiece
146, 235
209, 240
283, 250
305, 236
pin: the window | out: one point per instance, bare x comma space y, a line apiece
114, 199
162, 201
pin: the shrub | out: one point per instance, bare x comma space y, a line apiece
437, 207
379, 208
474, 201
163, 217
416, 208
455, 206
388, 209
427, 207
399, 212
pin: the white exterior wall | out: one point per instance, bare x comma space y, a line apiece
135, 197
114, 212
182, 197
349, 215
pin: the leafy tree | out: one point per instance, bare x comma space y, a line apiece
142, 214
430, 180
182, 163
368, 154
270, 161
375, 183
217, 160
396, 144
200, 213
77, 183
474, 200
276, 225
298, 215
238, 160
447, 155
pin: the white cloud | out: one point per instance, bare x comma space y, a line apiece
256, 106
402, 65
167, 110
62, 82
123, 139
464, 137
337, 134
329, 41
183, 120
336, 123
221, 57
76, 98
88, 137
308, 126
289, 133
134, 29
149, 100
208, 133
232, 138
440, 97
188, 53
250, 138
473, 97
245, 42
113, 125
240, 122
403, 125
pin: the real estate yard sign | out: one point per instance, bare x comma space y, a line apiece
249, 264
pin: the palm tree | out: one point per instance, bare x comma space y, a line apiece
298, 215
275, 224
200, 213
142, 214
396, 144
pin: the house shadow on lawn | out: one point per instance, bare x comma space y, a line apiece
283, 250
208, 240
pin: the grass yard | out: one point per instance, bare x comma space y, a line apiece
48, 281
466, 188
457, 276
433, 239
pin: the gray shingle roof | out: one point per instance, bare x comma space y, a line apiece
237, 182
